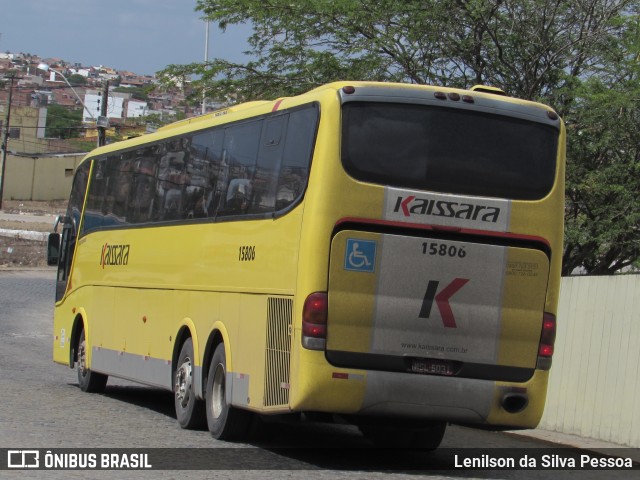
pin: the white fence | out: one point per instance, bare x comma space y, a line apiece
594, 388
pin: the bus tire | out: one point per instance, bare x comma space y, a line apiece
189, 410
88, 381
224, 421
430, 438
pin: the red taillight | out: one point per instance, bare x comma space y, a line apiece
547, 340
314, 321
546, 350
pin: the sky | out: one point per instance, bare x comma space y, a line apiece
141, 36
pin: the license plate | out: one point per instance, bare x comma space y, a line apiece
426, 366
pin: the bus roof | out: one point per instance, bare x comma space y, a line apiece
209, 116
200, 121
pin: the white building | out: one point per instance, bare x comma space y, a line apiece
85, 72
92, 100
136, 109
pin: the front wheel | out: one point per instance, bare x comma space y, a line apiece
224, 421
189, 410
88, 381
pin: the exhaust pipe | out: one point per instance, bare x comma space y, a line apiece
514, 402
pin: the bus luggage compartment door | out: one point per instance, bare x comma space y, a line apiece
434, 306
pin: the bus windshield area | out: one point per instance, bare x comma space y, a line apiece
448, 150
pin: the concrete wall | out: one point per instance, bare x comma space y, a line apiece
594, 388
43, 178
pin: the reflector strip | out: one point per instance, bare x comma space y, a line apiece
347, 376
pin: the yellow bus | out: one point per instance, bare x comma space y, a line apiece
383, 254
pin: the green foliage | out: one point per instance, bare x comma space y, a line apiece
63, 123
77, 80
158, 120
81, 145
138, 93
581, 57
603, 174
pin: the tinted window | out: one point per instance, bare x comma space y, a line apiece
205, 172
255, 167
78, 190
296, 155
269, 159
240, 155
448, 150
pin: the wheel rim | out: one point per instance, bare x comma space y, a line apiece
217, 393
183, 382
82, 359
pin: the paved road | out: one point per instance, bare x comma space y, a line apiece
41, 406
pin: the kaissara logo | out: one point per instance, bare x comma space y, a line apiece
413, 205
114, 255
442, 300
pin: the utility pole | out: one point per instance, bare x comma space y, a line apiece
102, 134
5, 139
206, 60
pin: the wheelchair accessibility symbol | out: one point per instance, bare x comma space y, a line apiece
360, 255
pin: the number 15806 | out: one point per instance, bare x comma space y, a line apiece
443, 250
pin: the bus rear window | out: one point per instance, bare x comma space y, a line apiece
448, 150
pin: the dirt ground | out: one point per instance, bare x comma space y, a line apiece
20, 253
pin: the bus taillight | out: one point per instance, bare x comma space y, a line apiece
314, 321
547, 340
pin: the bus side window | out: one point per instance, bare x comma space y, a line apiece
96, 198
171, 181
143, 190
265, 180
120, 179
296, 157
205, 171
241, 144
69, 231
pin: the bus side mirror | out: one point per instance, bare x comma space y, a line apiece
60, 220
53, 249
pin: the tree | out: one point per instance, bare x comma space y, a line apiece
77, 80
562, 52
63, 123
138, 93
603, 180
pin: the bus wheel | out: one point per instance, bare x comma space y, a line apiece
224, 421
430, 438
89, 381
189, 410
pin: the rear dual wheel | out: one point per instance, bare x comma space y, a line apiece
189, 410
225, 422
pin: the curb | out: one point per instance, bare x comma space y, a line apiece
584, 443
24, 234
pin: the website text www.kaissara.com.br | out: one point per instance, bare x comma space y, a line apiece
433, 348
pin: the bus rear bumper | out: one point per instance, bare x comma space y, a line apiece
432, 397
